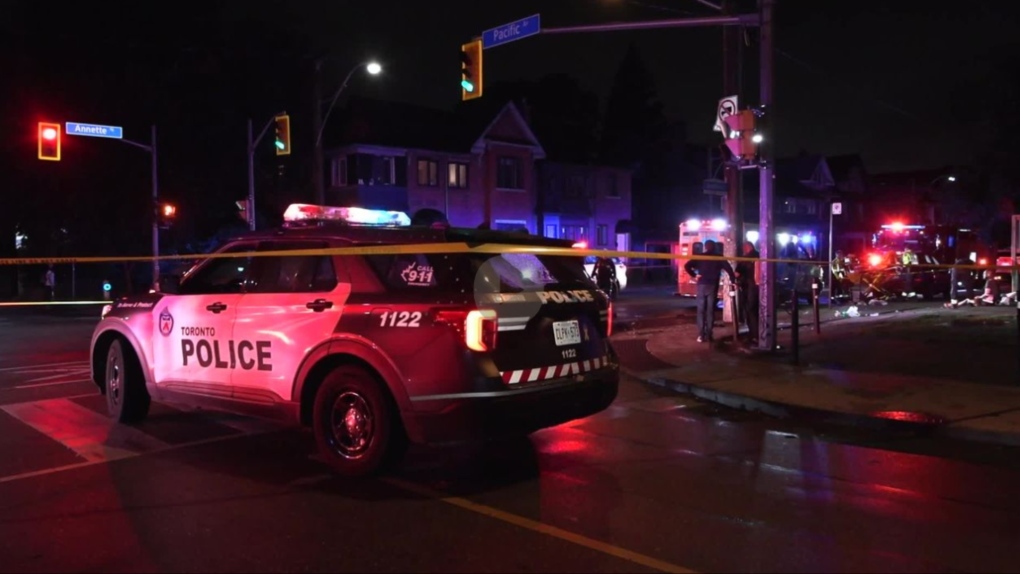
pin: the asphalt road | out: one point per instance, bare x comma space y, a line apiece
655, 483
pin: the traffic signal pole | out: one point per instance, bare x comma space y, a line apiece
151, 148
766, 167
251, 169
767, 239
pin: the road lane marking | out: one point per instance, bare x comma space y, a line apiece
48, 367
89, 434
542, 528
36, 385
56, 469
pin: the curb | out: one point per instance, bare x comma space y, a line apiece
780, 410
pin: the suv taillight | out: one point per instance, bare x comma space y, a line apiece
478, 327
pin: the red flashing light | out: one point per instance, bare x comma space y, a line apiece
49, 141
983, 261
874, 259
896, 226
580, 245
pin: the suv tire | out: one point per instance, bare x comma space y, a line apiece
127, 399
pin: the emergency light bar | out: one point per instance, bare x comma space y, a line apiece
352, 215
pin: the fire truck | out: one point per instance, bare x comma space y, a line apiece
693, 235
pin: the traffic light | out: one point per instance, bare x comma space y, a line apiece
743, 137
166, 213
49, 141
471, 80
282, 142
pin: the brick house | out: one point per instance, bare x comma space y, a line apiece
473, 168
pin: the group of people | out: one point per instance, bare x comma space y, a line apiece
708, 273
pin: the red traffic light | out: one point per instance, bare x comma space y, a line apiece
49, 141
169, 210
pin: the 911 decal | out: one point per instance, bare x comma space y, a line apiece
400, 319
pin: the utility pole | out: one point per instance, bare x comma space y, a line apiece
317, 161
731, 35
767, 239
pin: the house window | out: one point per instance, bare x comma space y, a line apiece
511, 225
575, 187
339, 171
790, 206
602, 234
573, 232
509, 173
550, 231
388, 175
611, 189
428, 173
810, 206
458, 175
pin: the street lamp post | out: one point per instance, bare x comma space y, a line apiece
373, 68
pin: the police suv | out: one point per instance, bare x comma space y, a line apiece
371, 349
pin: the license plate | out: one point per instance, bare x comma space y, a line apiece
566, 333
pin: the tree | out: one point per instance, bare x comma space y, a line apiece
634, 127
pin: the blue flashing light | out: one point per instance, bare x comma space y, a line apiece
107, 287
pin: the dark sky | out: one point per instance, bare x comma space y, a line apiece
903, 83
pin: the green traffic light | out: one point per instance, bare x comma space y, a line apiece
280, 145
468, 86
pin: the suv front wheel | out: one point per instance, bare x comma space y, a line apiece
356, 429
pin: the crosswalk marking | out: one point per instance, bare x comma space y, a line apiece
48, 367
92, 436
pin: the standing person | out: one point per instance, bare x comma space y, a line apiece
50, 282
708, 272
748, 275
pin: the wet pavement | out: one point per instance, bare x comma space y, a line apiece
954, 370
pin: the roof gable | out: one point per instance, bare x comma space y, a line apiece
509, 126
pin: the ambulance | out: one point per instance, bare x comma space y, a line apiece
693, 235
394, 343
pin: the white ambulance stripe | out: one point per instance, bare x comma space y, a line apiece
92, 436
516, 377
550, 372
533, 375
587, 366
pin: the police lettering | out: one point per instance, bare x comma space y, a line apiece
247, 355
572, 296
198, 331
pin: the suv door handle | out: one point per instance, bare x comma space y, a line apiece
319, 305
216, 307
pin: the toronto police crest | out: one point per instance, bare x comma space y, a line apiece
166, 322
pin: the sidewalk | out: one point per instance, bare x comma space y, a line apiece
912, 366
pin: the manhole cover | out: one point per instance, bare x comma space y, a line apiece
910, 417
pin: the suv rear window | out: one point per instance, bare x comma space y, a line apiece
507, 272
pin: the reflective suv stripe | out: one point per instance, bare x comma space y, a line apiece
554, 371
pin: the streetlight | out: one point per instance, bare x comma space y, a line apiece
373, 68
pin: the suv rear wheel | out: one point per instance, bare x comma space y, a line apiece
127, 400
356, 428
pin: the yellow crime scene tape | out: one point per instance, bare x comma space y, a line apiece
429, 248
